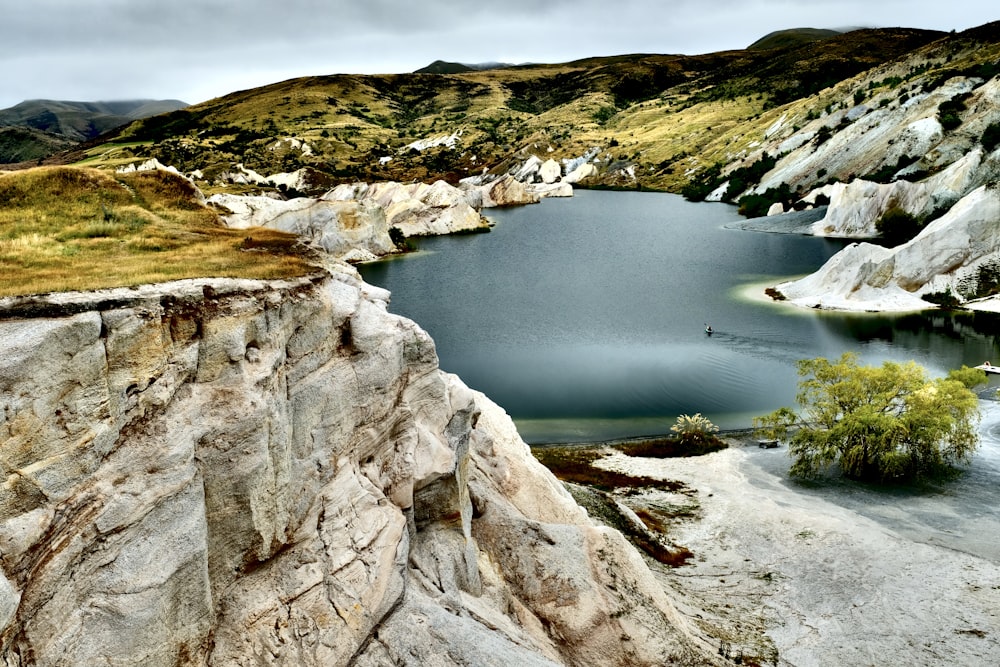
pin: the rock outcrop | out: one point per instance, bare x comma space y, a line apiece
865, 139
419, 209
226, 472
954, 253
348, 230
856, 207
352, 222
507, 191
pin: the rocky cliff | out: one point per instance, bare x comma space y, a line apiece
957, 254
223, 472
353, 222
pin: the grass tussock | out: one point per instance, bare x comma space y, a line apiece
70, 228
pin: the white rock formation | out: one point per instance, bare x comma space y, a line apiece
946, 255
580, 172
507, 191
348, 230
287, 144
352, 222
153, 164
232, 472
528, 170
419, 209
446, 140
543, 190
855, 207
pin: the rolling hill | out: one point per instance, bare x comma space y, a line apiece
646, 121
42, 127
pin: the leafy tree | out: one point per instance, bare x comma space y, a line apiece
880, 424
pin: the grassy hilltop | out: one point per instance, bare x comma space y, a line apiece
68, 228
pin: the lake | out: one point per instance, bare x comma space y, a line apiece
585, 317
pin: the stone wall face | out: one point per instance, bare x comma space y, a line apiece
240, 472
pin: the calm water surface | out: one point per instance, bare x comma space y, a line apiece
584, 317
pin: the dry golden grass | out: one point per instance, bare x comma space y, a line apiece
71, 228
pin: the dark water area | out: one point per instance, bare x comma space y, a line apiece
585, 318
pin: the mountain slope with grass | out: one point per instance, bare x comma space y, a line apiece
66, 228
655, 119
38, 128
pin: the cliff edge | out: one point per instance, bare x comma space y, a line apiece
236, 472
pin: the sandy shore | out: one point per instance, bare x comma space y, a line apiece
838, 573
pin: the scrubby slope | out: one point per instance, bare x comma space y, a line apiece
654, 117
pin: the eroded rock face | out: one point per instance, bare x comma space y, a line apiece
348, 230
946, 255
419, 209
235, 472
856, 207
352, 222
507, 191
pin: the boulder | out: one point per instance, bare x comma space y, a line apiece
507, 191
581, 172
550, 171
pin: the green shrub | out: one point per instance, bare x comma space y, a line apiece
949, 110
991, 137
756, 205
945, 299
896, 226
746, 177
702, 184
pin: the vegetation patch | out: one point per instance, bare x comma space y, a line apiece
896, 226
949, 111
991, 137
574, 464
69, 228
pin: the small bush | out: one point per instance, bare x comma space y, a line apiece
991, 137
945, 299
949, 110
757, 205
896, 226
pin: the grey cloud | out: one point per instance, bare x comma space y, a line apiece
195, 49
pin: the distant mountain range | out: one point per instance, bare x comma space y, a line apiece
36, 128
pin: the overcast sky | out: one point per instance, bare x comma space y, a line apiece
195, 50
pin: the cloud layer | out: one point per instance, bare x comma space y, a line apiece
198, 49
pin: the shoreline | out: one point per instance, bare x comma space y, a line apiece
806, 574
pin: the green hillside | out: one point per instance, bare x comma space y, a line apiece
37, 128
661, 119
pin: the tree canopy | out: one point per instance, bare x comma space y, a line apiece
879, 423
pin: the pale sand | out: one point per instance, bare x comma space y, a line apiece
838, 574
